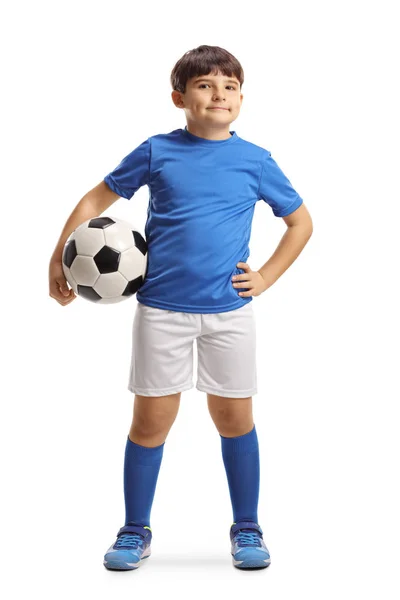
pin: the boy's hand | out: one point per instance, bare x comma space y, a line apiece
253, 280
58, 285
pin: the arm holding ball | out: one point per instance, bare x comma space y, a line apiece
93, 204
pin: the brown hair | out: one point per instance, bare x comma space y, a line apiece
205, 60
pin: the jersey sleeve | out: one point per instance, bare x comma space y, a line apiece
276, 190
132, 172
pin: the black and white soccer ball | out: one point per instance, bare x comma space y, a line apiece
105, 260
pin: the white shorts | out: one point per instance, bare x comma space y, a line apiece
162, 352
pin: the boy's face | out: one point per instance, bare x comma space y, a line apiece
206, 92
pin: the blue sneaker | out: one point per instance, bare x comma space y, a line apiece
248, 547
132, 545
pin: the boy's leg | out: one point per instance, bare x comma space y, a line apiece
153, 417
227, 373
233, 418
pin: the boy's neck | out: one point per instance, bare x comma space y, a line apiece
209, 133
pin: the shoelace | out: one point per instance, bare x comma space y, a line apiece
248, 538
133, 540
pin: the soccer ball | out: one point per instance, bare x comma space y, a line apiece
105, 260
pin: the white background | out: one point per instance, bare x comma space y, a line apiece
84, 84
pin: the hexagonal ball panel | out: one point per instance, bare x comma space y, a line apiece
132, 263
88, 241
110, 285
119, 236
84, 270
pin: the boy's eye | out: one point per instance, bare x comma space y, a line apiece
231, 86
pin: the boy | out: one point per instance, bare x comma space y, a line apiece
204, 181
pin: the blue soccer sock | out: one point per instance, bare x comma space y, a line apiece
141, 470
242, 465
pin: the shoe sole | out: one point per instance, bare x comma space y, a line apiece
251, 563
239, 564
119, 565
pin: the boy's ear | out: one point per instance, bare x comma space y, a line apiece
176, 98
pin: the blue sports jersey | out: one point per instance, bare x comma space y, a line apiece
202, 195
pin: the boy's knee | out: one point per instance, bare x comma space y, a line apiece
154, 415
234, 429
232, 416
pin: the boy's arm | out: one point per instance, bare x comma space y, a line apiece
93, 204
299, 230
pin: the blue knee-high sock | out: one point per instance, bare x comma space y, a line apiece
141, 469
242, 465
